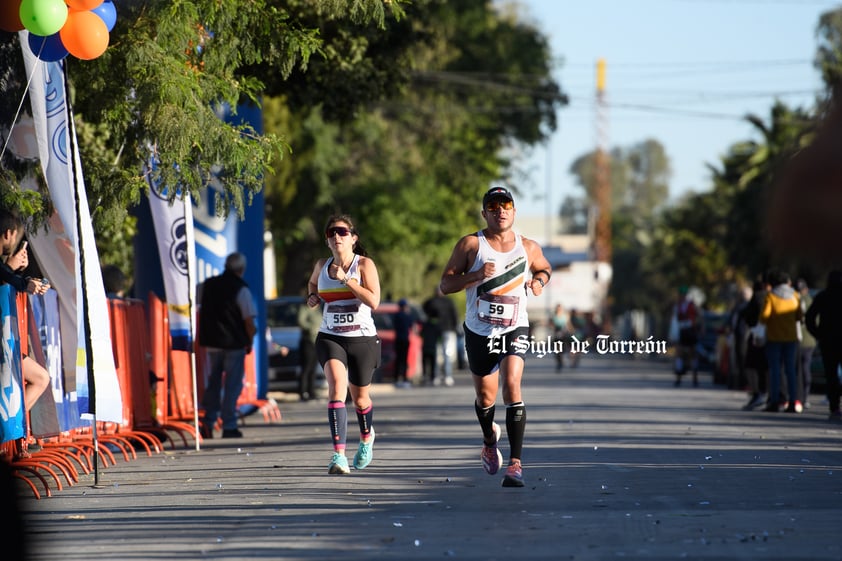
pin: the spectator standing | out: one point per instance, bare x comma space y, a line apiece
806, 347
756, 365
687, 317
739, 334
430, 336
404, 322
14, 259
347, 344
560, 327
226, 329
824, 321
781, 314
498, 269
441, 310
578, 329
309, 319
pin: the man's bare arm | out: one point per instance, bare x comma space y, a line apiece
456, 276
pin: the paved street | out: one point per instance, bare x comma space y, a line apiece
618, 464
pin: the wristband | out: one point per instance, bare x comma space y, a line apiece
312, 294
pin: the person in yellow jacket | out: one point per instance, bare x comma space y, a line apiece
781, 315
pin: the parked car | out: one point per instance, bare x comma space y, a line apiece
386, 331
283, 341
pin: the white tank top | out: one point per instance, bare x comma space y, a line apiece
498, 304
344, 314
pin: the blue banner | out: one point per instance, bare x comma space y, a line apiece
12, 414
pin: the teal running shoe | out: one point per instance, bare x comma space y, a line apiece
338, 464
365, 453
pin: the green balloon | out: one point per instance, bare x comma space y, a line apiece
43, 17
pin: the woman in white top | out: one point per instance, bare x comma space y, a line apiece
347, 345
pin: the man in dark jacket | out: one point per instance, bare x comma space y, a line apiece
441, 311
824, 322
226, 329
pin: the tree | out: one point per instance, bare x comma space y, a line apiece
410, 168
157, 89
639, 177
745, 183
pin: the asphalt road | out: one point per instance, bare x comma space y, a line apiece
619, 464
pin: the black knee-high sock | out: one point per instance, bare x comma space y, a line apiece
364, 419
515, 427
486, 420
337, 417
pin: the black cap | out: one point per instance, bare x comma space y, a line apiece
497, 193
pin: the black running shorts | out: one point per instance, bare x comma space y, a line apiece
360, 355
485, 353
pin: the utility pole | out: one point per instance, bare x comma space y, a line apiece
602, 187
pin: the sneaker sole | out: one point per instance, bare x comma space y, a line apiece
512, 482
357, 463
338, 469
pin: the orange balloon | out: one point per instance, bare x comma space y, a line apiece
84, 35
82, 5
10, 15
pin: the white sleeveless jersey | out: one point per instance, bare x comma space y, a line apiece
344, 314
498, 304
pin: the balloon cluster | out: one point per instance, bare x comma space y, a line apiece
61, 27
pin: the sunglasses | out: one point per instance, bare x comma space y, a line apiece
494, 206
334, 230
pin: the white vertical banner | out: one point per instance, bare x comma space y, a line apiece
60, 251
177, 249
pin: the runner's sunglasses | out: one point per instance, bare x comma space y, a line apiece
494, 206
333, 230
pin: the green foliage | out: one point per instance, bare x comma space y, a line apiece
396, 112
829, 51
411, 164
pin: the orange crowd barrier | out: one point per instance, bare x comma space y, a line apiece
156, 383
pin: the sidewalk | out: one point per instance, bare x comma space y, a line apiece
618, 464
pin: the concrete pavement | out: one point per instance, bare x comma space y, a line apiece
618, 463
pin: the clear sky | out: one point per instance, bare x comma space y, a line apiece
682, 72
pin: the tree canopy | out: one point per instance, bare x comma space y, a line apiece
395, 111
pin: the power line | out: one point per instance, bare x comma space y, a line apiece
690, 64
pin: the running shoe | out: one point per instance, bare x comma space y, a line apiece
795, 407
756, 400
492, 459
338, 464
514, 476
365, 453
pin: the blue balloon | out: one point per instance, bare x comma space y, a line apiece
107, 13
49, 48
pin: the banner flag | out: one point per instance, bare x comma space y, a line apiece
11, 381
45, 315
177, 249
60, 251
